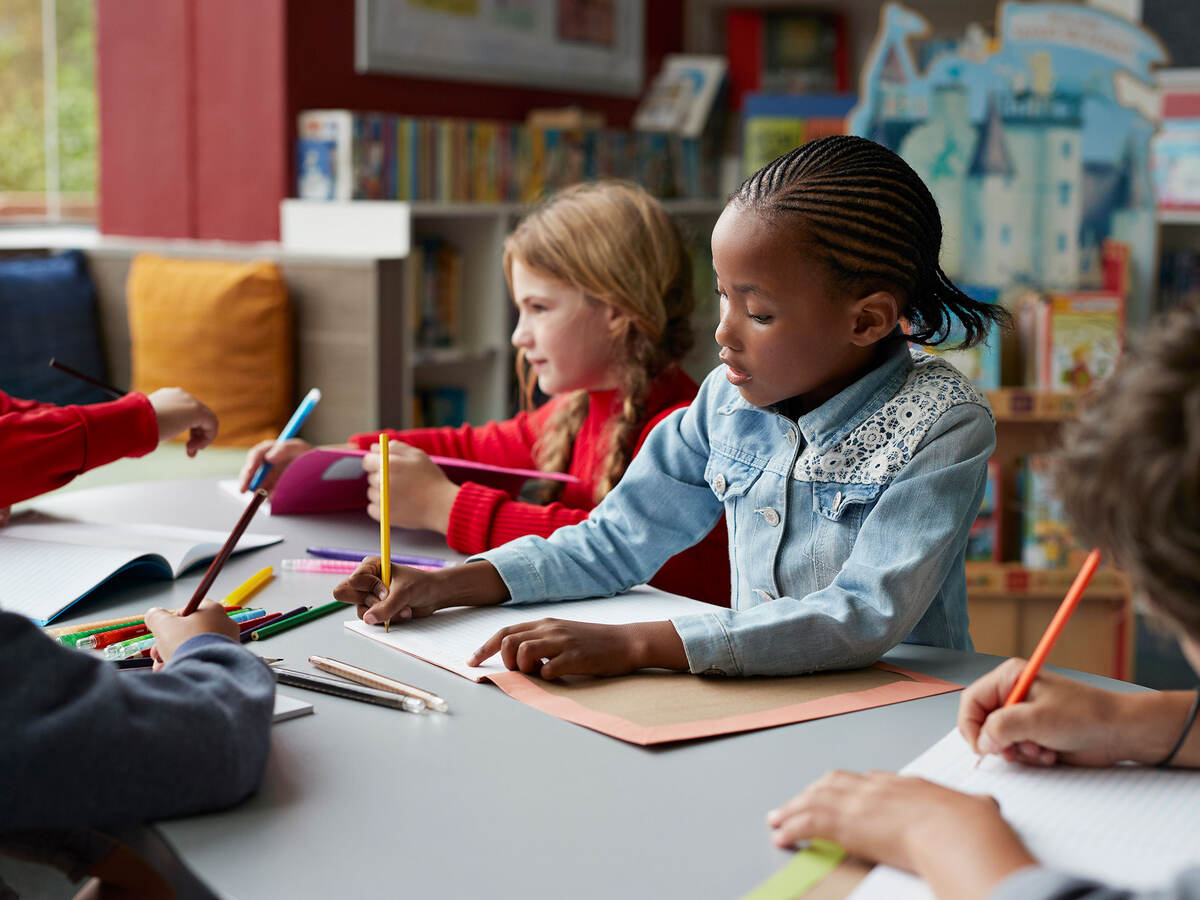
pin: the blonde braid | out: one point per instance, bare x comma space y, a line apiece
616, 244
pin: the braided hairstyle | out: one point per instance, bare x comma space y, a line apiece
876, 227
615, 243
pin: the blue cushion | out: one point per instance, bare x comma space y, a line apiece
48, 309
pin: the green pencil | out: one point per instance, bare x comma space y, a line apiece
299, 619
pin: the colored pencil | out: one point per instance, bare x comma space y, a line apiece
377, 681
357, 556
248, 588
214, 568
299, 619
349, 691
75, 373
92, 627
385, 522
311, 399
1054, 629
248, 634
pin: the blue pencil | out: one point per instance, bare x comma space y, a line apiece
311, 399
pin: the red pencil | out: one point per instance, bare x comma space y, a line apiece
1054, 629
251, 624
214, 568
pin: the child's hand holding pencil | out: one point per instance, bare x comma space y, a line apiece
173, 631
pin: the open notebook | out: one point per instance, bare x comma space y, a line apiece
1130, 826
81, 556
328, 479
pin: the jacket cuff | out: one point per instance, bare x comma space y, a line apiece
1035, 881
470, 527
706, 644
518, 572
125, 427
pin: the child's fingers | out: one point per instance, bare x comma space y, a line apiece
531, 651
492, 645
984, 697
370, 462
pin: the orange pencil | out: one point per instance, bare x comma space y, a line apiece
1054, 629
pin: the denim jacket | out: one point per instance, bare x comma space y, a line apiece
847, 528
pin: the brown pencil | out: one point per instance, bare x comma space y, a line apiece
214, 568
107, 388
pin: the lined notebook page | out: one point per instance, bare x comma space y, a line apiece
83, 555
39, 579
448, 638
1129, 826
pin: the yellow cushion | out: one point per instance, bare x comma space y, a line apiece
221, 331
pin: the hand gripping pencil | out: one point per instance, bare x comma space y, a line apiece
214, 568
1053, 630
311, 399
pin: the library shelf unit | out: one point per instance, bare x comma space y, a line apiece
1011, 605
481, 361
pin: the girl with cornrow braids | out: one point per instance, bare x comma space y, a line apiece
603, 288
848, 467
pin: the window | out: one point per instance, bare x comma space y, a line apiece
47, 111
1062, 242
1005, 235
1064, 193
1066, 149
978, 233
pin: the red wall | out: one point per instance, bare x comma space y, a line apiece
198, 103
145, 126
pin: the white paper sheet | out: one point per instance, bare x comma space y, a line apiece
1130, 826
448, 638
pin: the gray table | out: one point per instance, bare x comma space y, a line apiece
496, 800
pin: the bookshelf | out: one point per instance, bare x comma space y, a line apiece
1011, 605
480, 361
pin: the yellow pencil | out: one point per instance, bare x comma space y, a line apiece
385, 527
248, 588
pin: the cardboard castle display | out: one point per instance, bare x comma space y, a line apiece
1035, 144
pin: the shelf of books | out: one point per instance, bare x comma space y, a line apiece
1021, 557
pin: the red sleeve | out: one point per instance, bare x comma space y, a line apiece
483, 518
44, 446
508, 443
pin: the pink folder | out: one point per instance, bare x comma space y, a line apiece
331, 480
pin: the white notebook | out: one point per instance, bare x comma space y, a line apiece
449, 637
1129, 826
48, 564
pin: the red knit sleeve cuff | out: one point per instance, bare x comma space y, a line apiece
364, 440
471, 517
125, 427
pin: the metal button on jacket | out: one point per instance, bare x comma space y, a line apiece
765, 596
770, 516
719, 484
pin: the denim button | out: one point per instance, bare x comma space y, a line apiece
791, 436
764, 596
770, 516
719, 484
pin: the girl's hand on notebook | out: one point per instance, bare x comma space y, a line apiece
422, 495
958, 842
178, 411
552, 648
172, 631
1060, 720
279, 454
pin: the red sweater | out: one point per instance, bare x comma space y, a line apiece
484, 517
43, 446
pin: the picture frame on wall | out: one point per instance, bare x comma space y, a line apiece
592, 46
